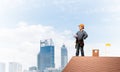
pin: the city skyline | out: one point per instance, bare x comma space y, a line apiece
15, 66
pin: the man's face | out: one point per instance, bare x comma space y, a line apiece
80, 27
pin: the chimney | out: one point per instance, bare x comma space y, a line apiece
95, 53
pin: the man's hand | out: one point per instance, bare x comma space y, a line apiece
75, 36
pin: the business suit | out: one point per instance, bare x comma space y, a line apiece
81, 35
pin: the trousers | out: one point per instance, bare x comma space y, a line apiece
79, 47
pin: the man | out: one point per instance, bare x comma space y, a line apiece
80, 36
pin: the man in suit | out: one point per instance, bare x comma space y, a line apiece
80, 36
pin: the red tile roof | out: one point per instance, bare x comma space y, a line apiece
93, 64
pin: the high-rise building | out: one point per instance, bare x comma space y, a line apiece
64, 56
26, 71
15, 67
51, 70
46, 55
2, 67
33, 69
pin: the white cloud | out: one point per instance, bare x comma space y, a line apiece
21, 44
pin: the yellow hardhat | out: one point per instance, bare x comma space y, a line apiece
81, 25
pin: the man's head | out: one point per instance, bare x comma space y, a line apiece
81, 26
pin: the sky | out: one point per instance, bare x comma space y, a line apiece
23, 23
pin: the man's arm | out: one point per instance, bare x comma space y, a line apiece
76, 37
85, 35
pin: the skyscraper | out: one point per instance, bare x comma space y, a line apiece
33, 69
52, 70
46, 55
2, 67
26, 71
64, 56
15, 67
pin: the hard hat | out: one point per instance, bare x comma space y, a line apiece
82, 25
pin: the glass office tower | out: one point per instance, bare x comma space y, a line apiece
46, 55
64, 56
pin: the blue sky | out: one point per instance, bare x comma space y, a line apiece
23, 23
56, 13
62, 15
